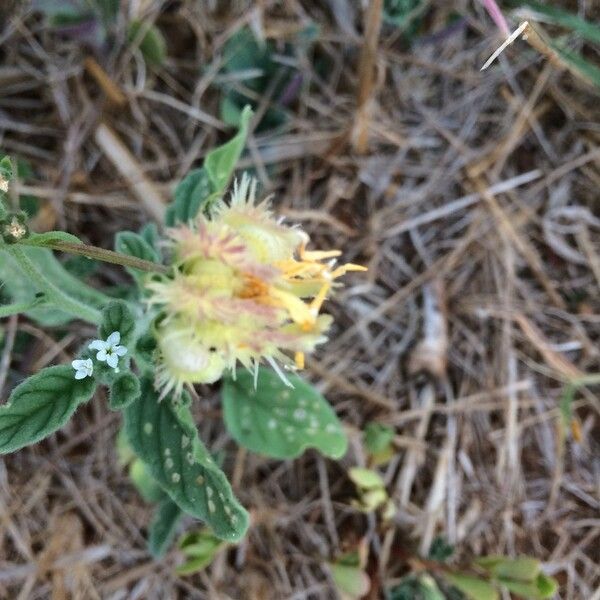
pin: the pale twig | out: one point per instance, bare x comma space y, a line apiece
129, 168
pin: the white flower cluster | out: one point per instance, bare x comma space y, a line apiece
108, 351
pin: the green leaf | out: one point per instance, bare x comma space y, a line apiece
429, 588
200, 547
152, 237
378, 442
523, 568
145, 349
41, 405
117, 316
588, 30
144, 483
6, 310
124, 390
377, 437
220, 163
50, 237
366, 479
133, 244
353, 582
404, 14
440, 549
473, 587
578, 65
546, 586
17, 285
280, 421
190, 196
408, 589
163, 527
542, 587
152, 45
164, 435
6, 168
230, 112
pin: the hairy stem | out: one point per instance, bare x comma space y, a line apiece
7, 310
109, 256
52, 293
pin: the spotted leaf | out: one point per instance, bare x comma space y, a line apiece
163, 434
278, 420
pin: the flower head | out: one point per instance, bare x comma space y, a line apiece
83, 368
245, 289
109, 351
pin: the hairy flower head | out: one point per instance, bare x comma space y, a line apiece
245, 289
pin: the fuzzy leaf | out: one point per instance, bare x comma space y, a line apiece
164, 435
190, 195
280, 421
220, 163
50, 237
124, 390
134, 244
117, 316
6, 168
440, 549
163, 527
145, 349
152, 237
473, 587
20, 289
41, 405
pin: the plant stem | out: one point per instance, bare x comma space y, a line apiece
53, 294
109, 256
7, 310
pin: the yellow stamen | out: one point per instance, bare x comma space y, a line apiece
298, 310
319, 254
318, 300
299, 359
345, 268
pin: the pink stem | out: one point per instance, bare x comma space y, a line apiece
497, 16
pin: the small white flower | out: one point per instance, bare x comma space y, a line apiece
109, 351
83, 368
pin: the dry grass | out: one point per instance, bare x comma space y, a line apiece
475, 206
